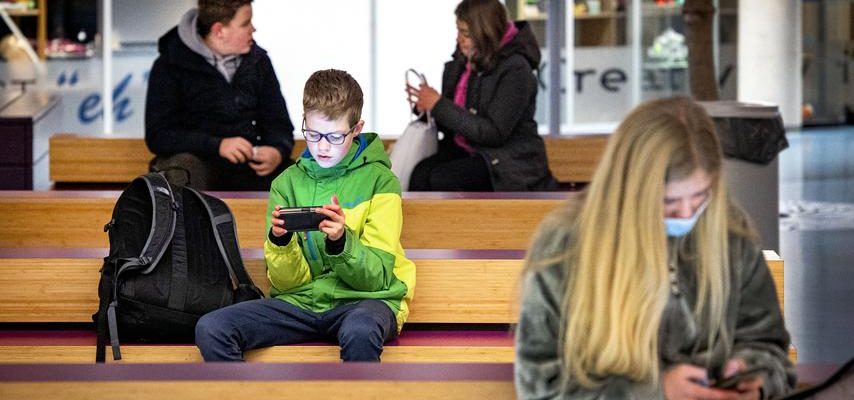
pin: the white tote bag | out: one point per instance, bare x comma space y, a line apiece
419, 140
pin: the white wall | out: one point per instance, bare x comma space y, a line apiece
136, 21
302, 37
769, 54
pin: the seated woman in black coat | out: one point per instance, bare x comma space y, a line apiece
486, 110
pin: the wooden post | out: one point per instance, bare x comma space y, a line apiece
699, 15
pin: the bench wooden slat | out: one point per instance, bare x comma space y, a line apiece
76, 220
775, 264
98, 159
226, 390
448, 291
76, 158
457, 291
235, 389
574, 158
278, 354
236, 381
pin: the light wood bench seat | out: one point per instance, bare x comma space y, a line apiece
254, 380
465, 298
453, 287
413, 346
75, 219
473, 287
101, 159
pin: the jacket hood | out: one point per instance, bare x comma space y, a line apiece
182, 44
190, 37
366, 149
523, 43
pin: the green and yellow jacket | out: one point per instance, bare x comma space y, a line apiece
372, 264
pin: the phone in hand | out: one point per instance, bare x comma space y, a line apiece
731, 382
301, 219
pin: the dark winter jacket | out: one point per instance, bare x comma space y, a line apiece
190, 106
498, 120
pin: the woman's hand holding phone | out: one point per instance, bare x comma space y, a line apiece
747, 382
686, 381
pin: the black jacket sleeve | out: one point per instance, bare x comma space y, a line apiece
274, 122
493, 124
165, 133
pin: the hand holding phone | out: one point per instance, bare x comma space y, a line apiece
732, 382
300, 219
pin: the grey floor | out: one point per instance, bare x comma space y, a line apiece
817, 241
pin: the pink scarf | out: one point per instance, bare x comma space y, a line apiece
462, 86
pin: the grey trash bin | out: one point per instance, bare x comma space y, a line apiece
751, 135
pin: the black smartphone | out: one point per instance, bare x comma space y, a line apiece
301, 219
732, 382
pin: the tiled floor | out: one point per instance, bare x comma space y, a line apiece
817, 241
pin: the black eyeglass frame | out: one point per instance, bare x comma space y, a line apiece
326, 136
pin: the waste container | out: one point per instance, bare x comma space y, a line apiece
751, 135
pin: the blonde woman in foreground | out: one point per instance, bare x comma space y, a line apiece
651, 283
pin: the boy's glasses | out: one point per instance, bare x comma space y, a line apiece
335, 138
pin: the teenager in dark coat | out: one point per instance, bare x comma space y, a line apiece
214, 106
486, 110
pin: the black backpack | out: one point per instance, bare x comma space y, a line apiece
173, 257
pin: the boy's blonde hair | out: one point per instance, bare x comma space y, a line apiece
333, 93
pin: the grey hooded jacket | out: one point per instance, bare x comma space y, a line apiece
754, 320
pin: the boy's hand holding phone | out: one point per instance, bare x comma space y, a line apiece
295, 219
333, 225
278, 228
329, 218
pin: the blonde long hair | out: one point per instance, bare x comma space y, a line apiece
618, 283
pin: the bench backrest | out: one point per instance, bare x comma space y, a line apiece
436, 220
98, 159
476, 289
452, 286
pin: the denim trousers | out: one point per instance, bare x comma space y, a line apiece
360, 328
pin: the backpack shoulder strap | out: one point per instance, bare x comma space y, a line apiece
163, 220
225, 232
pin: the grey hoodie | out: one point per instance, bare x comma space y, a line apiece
226, 65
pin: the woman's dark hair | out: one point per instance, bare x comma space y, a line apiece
487, 22
213, 11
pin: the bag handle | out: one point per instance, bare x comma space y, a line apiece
421, 79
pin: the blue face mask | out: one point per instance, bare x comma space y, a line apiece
676, 227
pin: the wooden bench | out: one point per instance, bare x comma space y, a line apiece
101, 159
466, 298
252, 380
75, 219
453, 287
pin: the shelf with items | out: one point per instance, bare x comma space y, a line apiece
20, 9
605, 22
597, 22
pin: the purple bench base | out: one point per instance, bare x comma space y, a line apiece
80, 337
256, 372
